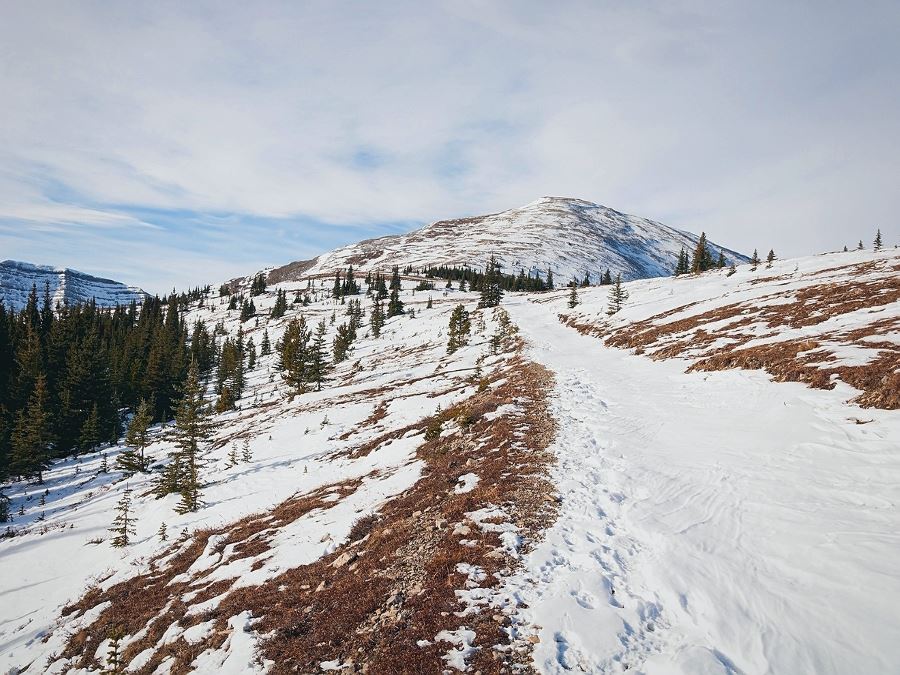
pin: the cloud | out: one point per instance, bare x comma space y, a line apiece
236, 135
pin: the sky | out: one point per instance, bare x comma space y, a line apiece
174, 144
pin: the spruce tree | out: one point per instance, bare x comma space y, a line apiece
430, 304
343, 341
491, 291
877, 243
89, 437
721, 261
317, 356
754, 260
573, 296
192, 430
123, 524
265, 347
32, 437
859, 246
550, 279
251, 354
617, 296
246, 453
770, 258
137, 438
376, 319
607, 277
161, 532
702, 260
232, 457
459, 329
395, 304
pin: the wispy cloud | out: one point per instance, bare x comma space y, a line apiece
178, 143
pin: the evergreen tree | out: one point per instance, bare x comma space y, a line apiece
459, 329
859, 247
376, 319
491, 292
137, 438
248, 310
573, 296
343, 341
721, 261
280, 307
395, 278
754, 260
192, 430
246, 453
294, 354
878, 240
161, 532
429, 305
89, 437
770, 258
32, 437
549, 279
266, 346
607, 277
395, 305
702, 260
251, 354
232, 457
317, 356
123, 524
617, 296
684, 265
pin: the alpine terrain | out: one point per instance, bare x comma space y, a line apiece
65, 286
421, 454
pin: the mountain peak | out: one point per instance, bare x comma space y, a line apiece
572, 237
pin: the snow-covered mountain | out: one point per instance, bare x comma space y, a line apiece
570, 236
66, 285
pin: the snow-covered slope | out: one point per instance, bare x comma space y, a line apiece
66, 285
421, 513
572, 237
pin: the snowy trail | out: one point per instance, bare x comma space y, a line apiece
713, 523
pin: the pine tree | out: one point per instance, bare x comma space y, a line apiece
429, 305
232, 457
395, 278
104, 464
251, 354
721, 261
732, 269
683, 265
859, 246
877, 242
702, 260
123, 523
617, 296
161, 533
192, 429
491, 292
294, 353
113, 657
376, 319
248, 310
459, 329
770, 258
550, 279
607, 277
317, 356
395, 305
343, 341
573, 296
89, 438
266, 346
32, 437
246, 453
754, 260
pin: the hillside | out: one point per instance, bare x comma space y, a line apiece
66, 285
570, 491
572, 237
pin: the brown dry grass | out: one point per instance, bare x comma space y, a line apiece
393, 583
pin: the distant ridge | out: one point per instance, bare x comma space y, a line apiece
66, 285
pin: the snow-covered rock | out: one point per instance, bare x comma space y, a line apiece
569, 236
66, 285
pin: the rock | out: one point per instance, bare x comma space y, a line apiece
462, 530
344, 558
534, 639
